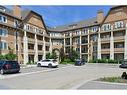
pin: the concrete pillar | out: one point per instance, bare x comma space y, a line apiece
125, 48
36, 49
99, 46
25, 46
44, 51
80, 46
88, 46
112, 45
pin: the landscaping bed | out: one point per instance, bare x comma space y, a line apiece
113, 79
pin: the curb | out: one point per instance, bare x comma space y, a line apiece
113, 83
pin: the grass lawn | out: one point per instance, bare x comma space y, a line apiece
113, 79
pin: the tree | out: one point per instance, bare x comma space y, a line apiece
73, 55
48, 56
52, 55
62, 55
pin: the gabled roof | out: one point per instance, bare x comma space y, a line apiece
114, 7
75, 25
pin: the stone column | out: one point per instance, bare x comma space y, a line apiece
44, 51
99, 46
36, 49
64, 43
125, 45
70, 39
50, 44
25, 46
112, 45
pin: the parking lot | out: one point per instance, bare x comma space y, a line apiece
63, 77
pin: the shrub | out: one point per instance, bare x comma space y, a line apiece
10, 56
2, 57
67, 61
103, 61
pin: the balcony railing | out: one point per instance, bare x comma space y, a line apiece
119, 38
105, 39
105, 50
31, 40
119, 49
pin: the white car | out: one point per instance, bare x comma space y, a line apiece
48, 62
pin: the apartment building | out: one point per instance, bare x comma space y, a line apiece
24, 33
96, 38
103, 36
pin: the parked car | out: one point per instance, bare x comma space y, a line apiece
123, 64
9, 67
79, 62
48, 63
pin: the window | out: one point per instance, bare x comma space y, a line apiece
85, 31
94, 29
119, 24
16, 23
106, 27
27, 27
3, 45
3, 32
77, 32
3, 19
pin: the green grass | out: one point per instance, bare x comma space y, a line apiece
113, 79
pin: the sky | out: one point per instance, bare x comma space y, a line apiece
60, 15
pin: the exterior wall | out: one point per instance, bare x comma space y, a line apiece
69, 39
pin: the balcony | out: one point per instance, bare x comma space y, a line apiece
85, 42
40, 52
105, 40
57, 37
47, 43
31, 40
40, 42
119, 50
105, 51
119, 38
31, 51
84, 52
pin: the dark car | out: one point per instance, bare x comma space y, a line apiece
123, 64
79, 62
9, 66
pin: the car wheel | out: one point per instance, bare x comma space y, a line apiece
50, 65
1, 71
38, 65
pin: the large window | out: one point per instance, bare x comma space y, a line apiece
3, 19
106, 27
3, 32
3, 45
119, 24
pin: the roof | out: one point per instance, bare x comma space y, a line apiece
75, 25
